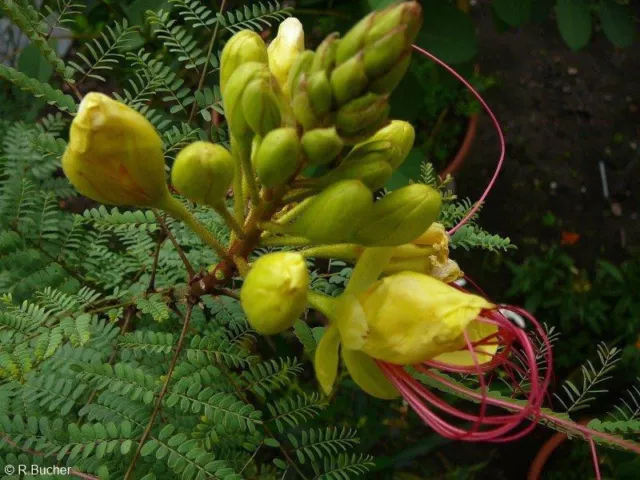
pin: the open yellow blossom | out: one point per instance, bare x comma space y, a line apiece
403, 319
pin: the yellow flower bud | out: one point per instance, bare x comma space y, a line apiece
400, 217
278, 157
114, 155
244, 47
285, 48
400, 136
321, 145
333, 214
274, 294
203, 173
410, 318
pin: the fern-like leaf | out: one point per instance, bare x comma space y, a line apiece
575, 398
104, 52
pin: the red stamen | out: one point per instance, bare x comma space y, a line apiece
495, 123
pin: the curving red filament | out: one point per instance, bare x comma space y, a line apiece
484, 104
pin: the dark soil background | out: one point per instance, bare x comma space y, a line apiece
562, 113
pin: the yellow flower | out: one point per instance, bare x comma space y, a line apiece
404, 319
285, 48
114, 155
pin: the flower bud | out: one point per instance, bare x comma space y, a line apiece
398, 137
320, 95
409, 318
383, 39
400, 217
301, 65
374, 173
203, 173
251, 101
321, 145
325, 58
274, 293
390, 80
244, 47
377, 26
284, 49
333, 215
261, 107
114, 155
311, 99
362, 117
349, 80
278, 157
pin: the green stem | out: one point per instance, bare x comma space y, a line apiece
368, 269
230, 220
342, 251
284, 242
180, 212
298, 195
244, 152
293, 213
323, 303
238, 194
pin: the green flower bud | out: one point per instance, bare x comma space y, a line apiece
278, 157
203, 173
393, 142
349, 80
390, 80
274, 294
261, 107
325, 58
362, 117
302, 109
320, 95
384, 40
301, 65
334, 214
285, 48
321, 145
245, 46
373, 172
400, 217
251, 101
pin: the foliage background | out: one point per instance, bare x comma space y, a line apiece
52, 245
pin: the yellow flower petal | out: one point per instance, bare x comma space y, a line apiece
351, 322
412, 318
368, 375
484, 353
326, 359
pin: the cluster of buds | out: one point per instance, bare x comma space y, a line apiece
287, 108
346, 82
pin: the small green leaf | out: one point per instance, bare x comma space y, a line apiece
514, 12
617, 23
271, 442
574, 22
